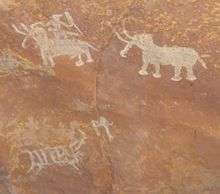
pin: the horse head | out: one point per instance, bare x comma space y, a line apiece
36, 32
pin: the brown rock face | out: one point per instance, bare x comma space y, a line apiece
109, 97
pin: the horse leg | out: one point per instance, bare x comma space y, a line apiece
177, 71
44, 59
52, 63
89, 56
190, 74
80, 61
157, 71
144, 67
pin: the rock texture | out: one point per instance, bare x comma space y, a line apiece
102, 128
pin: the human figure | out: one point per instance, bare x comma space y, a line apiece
56, 25
104, 124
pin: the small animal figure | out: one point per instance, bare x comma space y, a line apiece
59, 155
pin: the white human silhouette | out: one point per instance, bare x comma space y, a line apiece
56, 25
102, 123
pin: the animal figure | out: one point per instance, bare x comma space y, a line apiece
178, 57
59, 155
50, 48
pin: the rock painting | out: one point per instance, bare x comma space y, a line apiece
6, 180
178, 57
63, 42
7, 62
69, 155
12, 63
81, 106
102, 123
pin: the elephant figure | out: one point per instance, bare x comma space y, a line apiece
50, 48
178, 57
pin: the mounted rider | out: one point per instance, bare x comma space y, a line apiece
56, 25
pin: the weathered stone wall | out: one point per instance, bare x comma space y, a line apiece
109, 97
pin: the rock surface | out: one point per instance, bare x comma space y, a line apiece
97, 126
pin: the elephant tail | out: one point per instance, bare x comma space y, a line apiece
202, 62
92, 47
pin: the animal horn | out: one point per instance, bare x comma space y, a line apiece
82, 134
120, 37
24, 42
19, 31
125, 31
115, 32
37, 24
24, 27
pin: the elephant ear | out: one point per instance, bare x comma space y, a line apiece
150, 36
147, 38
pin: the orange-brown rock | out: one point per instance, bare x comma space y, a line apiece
79, 115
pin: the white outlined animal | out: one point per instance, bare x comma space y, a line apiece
178, 57
59, 155
54, 47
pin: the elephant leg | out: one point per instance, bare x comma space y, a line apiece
44, 59
144, 67
190, 74
80, 61
52, 63
157, 71
177, 72
89, 56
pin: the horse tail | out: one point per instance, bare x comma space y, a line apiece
202, 62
